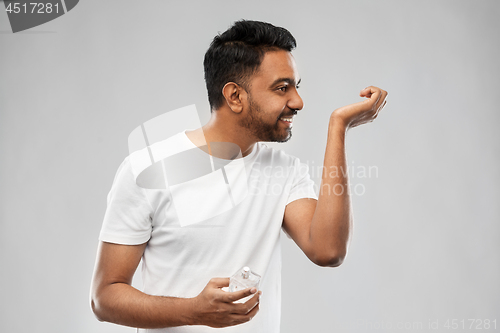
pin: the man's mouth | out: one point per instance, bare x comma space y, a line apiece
287, 119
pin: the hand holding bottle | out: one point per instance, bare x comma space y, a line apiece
215, 308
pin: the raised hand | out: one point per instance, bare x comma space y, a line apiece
362, 112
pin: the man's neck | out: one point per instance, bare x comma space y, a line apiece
218, 130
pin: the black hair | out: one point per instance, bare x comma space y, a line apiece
236, 54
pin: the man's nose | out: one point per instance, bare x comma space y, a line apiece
296, 101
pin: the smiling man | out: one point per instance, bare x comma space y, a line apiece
252, 83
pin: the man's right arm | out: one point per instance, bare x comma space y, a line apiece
113, 299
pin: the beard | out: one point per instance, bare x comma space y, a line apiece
262, 129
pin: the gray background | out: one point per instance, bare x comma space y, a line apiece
425, 245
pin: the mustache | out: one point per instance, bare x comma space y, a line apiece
294, 112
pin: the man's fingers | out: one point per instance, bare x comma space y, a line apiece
219, 282
234, 296
253, 302
254, 310
369, 91
382, 101
243, 318
365, 92
244, 308
382, 106
376, 98
373, 94
362, 112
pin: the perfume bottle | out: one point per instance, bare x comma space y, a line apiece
243, 279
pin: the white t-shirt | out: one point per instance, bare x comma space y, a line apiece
182, 256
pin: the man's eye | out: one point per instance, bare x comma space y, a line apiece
282, 88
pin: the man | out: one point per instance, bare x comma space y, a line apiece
252, 83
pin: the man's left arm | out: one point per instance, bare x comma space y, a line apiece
322, 228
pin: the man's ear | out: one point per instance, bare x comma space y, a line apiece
234, 95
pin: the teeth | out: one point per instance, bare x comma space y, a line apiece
287, 119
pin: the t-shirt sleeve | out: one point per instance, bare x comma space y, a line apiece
129, 213
302, 184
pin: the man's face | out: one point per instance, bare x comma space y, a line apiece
273, 99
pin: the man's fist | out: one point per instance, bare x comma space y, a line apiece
215, 308
363, 112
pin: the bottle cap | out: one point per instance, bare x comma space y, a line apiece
245, 272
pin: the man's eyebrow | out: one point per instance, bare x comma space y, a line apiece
287, 80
